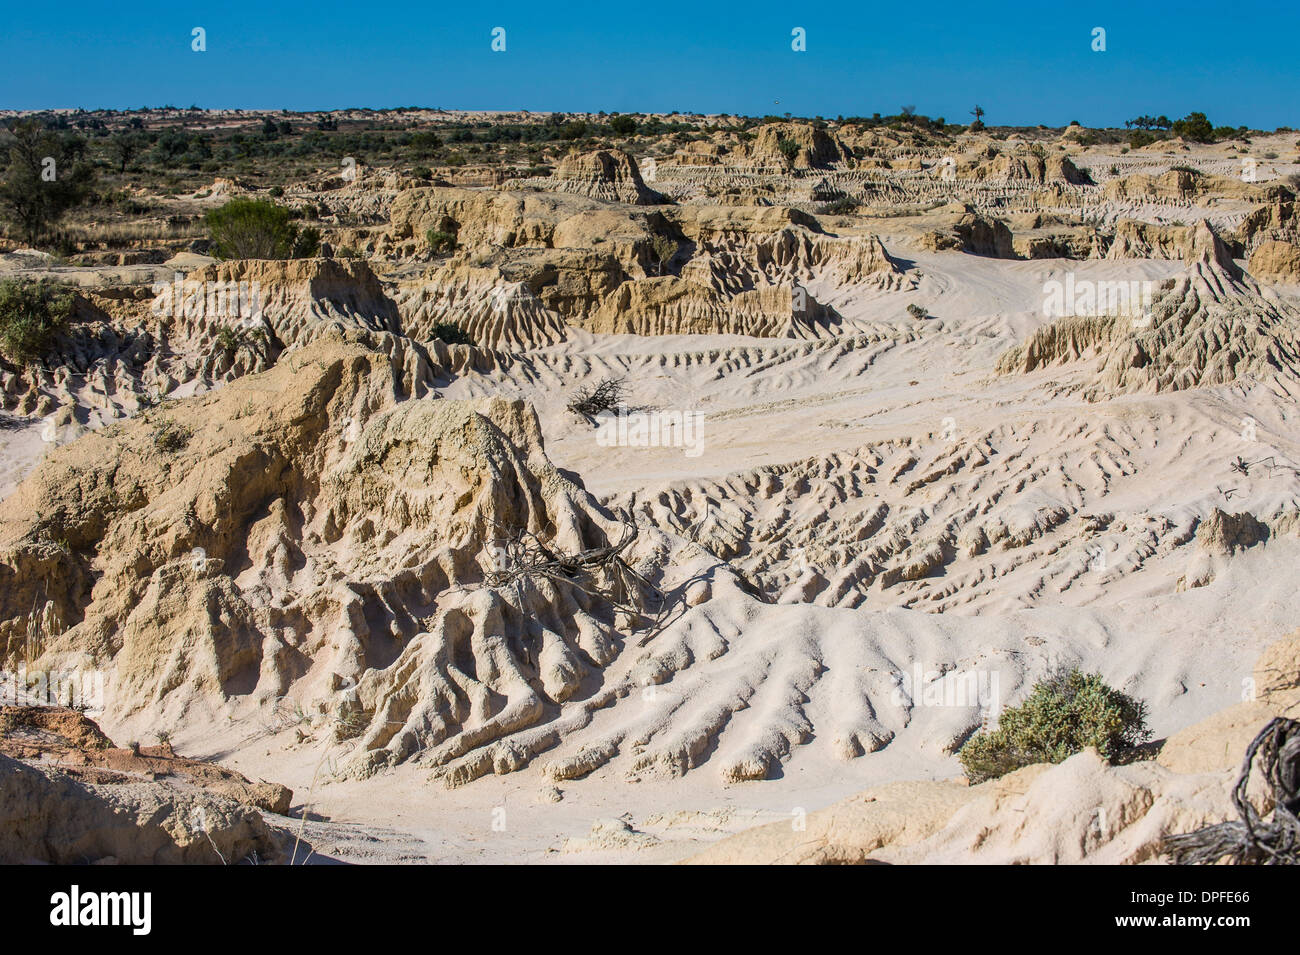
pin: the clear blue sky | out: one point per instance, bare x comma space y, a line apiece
1024, 62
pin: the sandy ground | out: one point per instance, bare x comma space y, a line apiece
772, 403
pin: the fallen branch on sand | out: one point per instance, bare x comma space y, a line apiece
522, 556
605, 396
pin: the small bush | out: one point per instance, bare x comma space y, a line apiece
663, 250
306, 243
229, 339
916, 311
1064, 714
170, 437
251, 229
789, 149
440, 241
841, 207
31, 315
451, 334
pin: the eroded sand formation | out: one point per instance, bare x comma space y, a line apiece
317, 532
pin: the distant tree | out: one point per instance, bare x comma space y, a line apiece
124, 146
622, 125
425, 142
574, 130
1194, 126
44, 179
978, 113
1227, 132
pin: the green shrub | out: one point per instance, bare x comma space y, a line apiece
663, 250
306, 243
251, 229
440, 241
451, 334
229, 339
31, 314
789, 148
622, 125
841, 207
1064, 714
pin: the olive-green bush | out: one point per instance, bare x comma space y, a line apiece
31, 315
1064, 714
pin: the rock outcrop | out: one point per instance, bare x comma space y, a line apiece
1211, 326
318, 532
810, 147
608, 174
50, 817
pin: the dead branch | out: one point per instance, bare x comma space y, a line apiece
605, 396
1253, 839
520, 557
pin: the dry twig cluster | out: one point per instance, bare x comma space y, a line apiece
605, 396
521, 556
